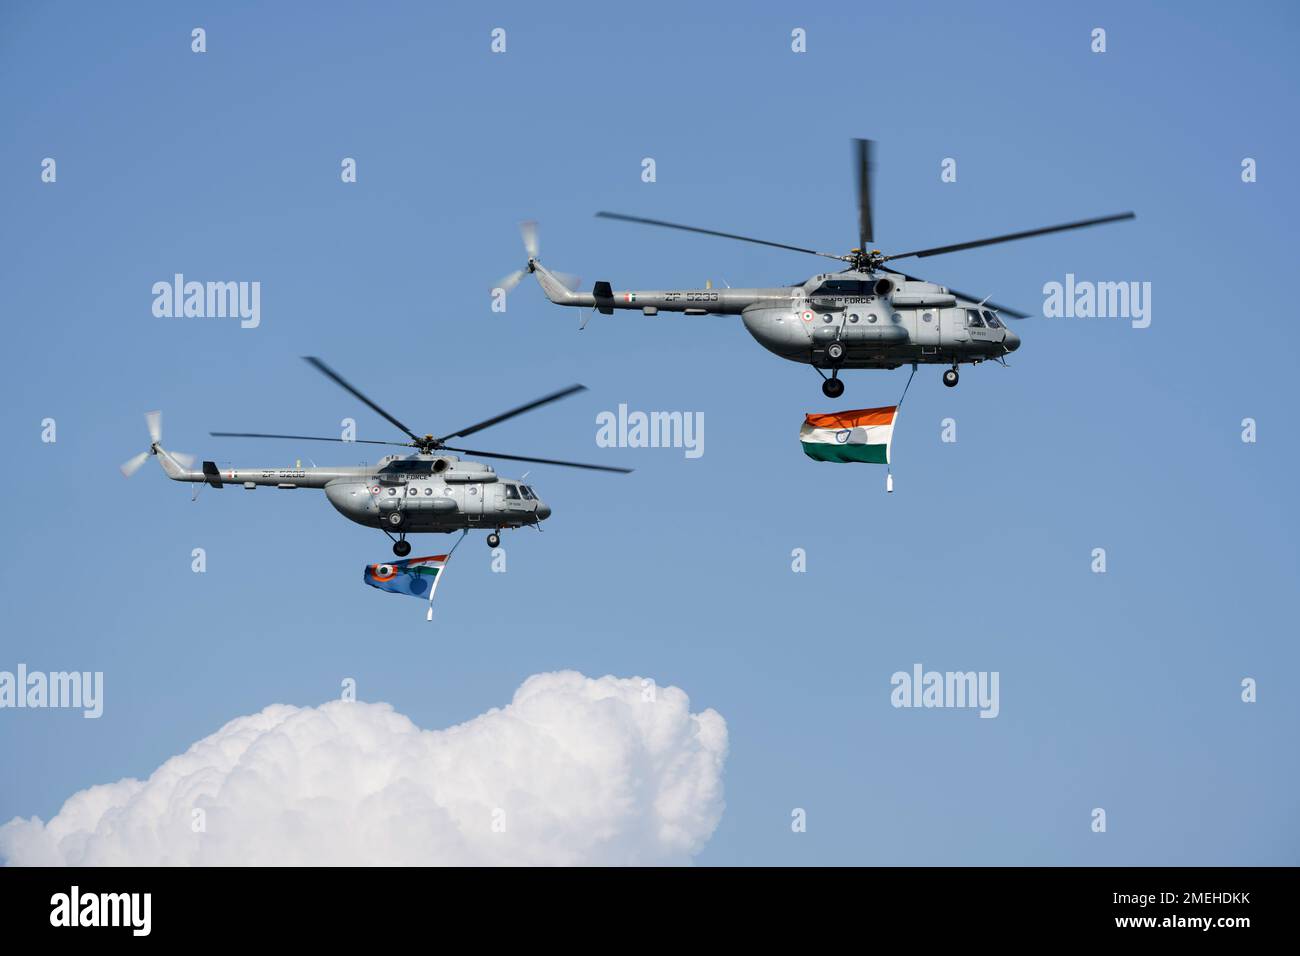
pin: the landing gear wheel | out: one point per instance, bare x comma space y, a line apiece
835, 352
950, 377
401, 548
394, 519
832, 388
493, 540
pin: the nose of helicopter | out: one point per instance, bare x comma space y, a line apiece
543, 511
1011, 341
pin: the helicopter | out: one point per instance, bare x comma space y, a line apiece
866, 316
424, 491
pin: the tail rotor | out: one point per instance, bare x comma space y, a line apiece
153, 421
532, 246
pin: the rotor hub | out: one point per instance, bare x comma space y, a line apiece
866, 260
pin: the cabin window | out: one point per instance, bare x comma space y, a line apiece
412, 491
993, 321
871, 317
512, 492
973, 320
853, 318
527, 492
428, 492
927, 316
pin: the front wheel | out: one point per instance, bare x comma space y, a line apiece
401, 548
832, 388
950, 377
493, 540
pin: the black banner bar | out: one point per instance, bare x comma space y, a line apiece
330, 906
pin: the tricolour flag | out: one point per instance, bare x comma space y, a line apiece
417, 577
862, 435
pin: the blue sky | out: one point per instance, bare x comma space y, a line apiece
1118, 691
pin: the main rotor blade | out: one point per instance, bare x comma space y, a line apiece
553, 397
356, 393
540, 461
713, 232
865, 166
355, 441
1013, 313
957, 247
1004, 310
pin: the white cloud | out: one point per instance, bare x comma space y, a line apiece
579, 771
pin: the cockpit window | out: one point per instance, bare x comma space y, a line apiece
973, 320
993, 321
527, 492
512, 492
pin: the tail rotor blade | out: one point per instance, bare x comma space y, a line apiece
131, 466
509, 282
154, 421
570, 282
528, 230
182, 459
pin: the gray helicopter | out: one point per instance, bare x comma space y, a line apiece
866, 316
428, 491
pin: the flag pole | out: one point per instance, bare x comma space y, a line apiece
889, 474
434, 589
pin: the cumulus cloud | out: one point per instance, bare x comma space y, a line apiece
573, 770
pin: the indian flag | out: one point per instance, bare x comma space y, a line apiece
863, 435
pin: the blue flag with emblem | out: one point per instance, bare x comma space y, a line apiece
417, 577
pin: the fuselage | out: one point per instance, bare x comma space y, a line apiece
417, 493
834, 320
